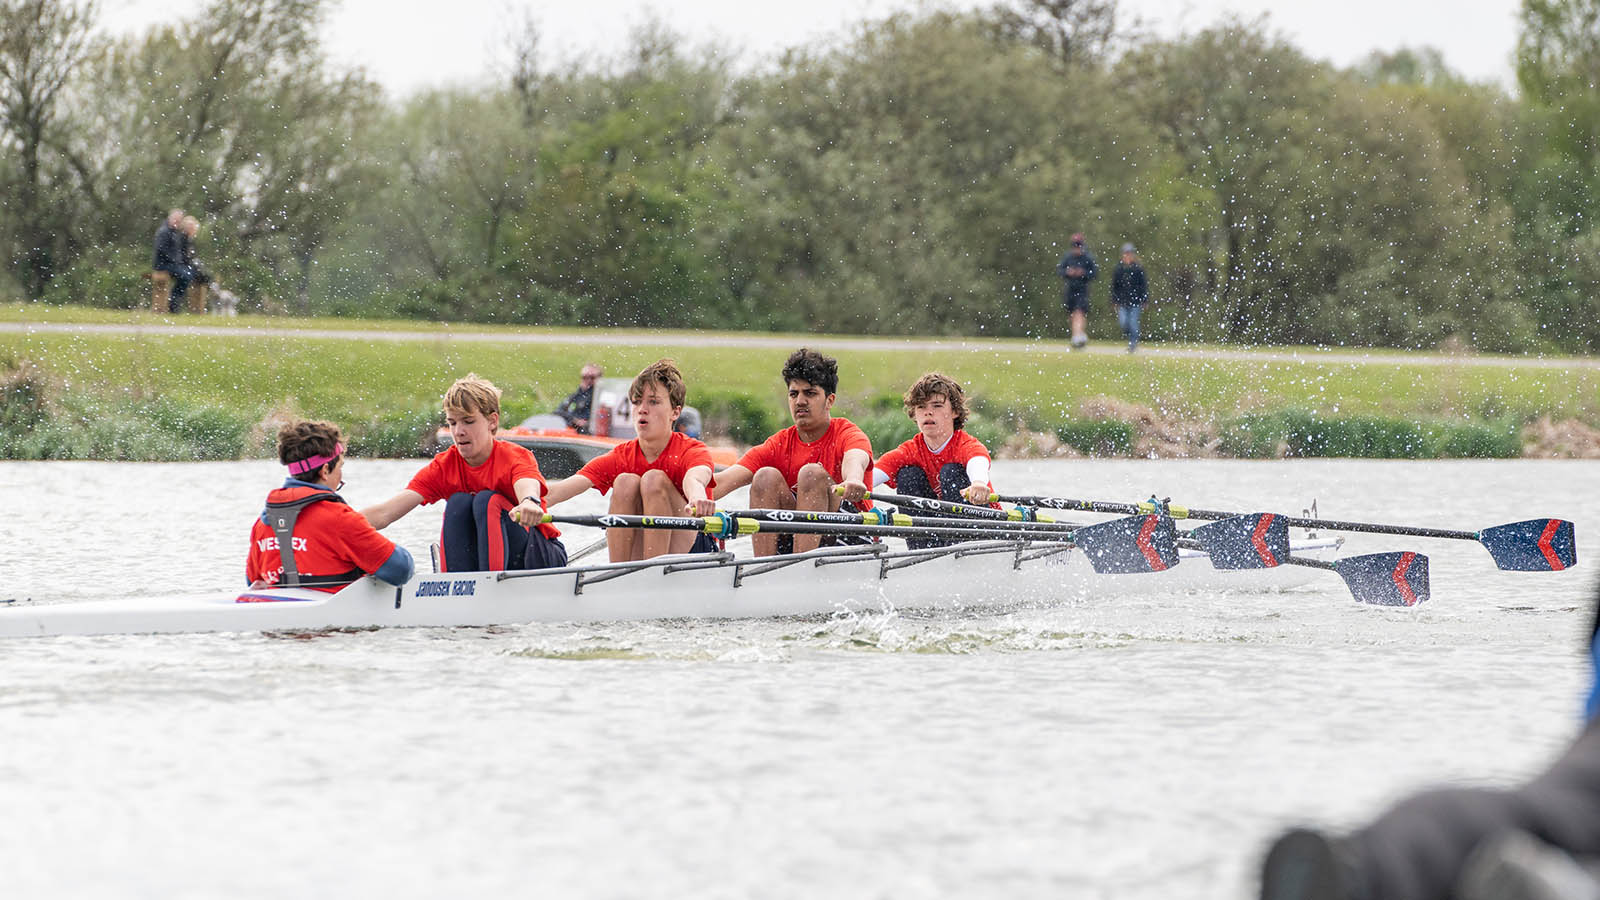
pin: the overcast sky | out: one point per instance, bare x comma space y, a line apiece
412, 44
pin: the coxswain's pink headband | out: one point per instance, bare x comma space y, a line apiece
300, 467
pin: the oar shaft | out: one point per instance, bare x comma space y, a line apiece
752, 525
877, 517
944, 506
1368, 527
1187, 512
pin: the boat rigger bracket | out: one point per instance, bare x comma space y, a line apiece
908, 558
822, 556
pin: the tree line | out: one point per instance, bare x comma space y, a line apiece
921, 175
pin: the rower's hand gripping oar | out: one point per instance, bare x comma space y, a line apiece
1533, 545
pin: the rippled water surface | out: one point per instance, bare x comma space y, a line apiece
1132, 747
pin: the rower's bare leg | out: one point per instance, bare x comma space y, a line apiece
814, 491
768, 490
625, 544
662, 498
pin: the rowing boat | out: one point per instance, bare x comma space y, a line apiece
986, 557
976, 574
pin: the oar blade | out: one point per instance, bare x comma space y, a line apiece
1146, 543
1386, 579
1255, 541
1535, 545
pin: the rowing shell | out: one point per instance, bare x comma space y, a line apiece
707, 586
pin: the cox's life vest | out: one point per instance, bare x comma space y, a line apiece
280, 516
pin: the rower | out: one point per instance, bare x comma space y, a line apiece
493, 491
661, 472
798, 467
942, 461
331, 544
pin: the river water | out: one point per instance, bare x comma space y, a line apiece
1141, 747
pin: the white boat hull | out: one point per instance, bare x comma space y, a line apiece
822, 582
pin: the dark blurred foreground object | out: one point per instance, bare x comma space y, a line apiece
1539, 841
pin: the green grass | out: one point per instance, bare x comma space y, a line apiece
385, 391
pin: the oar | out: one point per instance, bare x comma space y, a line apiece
1251, 541
1381, 578
1534, 545
1015, 514
1135, 544
1122, 546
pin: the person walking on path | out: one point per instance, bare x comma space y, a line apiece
169, 257
1129, 293
1077, 268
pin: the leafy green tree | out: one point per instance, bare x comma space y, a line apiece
234, 116
43, 44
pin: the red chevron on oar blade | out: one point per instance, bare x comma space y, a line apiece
1146, 546
1547, 545
1399, 577
1258, 539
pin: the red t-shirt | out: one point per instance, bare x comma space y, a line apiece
330, 538
507, 464
682, 453
960, 449
785, 452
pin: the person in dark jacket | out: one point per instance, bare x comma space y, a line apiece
1129, 293
1538, 841
575, 409
169, 257
1077, 268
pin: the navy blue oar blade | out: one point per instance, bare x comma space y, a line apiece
1386, 579
1134, 544
1255, 541
1536, 545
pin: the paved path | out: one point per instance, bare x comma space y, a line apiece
717, 339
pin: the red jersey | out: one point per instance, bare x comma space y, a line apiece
507, 464
682, 453
330, 538
785, 452
960, 449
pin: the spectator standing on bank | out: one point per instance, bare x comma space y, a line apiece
1129, 293
1077, 268
169, 257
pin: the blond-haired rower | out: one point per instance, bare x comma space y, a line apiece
493, 491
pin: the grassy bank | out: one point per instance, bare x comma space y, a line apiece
216, 396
